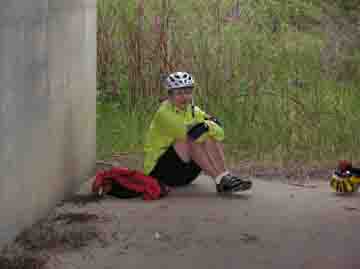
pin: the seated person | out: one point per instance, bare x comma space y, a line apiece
183, 140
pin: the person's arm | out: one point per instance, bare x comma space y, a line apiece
215, 128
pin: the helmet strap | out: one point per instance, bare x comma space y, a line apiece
193, 107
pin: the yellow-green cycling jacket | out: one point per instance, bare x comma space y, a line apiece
170, 124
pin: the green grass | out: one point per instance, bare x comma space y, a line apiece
273, 76
120, 128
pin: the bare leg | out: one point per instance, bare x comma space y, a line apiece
208, 155
201, 156
216, 154
183, 150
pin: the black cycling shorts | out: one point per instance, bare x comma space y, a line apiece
171, 170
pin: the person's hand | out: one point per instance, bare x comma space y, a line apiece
215, 120
197, 130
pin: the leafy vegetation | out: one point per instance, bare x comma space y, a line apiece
283, 76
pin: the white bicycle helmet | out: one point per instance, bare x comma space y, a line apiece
179, 80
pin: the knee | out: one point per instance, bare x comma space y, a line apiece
183, 150
182, 146
208, 141
211, 141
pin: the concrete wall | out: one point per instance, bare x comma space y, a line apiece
47, 105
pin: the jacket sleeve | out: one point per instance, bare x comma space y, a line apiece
215, 130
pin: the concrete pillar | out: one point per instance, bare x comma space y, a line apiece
47, 105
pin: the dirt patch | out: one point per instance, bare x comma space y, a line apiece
249, 238
290, 171
81, 199
68, 231
20, 259
65, 231
68, 218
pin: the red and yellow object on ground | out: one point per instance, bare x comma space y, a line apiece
346, 178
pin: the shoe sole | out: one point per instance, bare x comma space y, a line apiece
240, 188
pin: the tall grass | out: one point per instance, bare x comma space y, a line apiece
261, 66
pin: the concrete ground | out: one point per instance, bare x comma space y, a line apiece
274, 226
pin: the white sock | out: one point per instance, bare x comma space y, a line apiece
219, 177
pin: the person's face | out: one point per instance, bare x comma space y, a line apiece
182, 97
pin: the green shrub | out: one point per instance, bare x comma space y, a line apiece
266, 68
